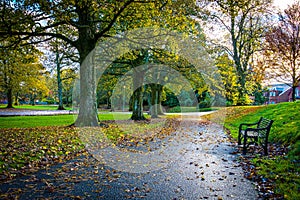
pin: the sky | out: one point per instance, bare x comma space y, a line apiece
282, 4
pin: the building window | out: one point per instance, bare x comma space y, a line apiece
272, 94
297, 92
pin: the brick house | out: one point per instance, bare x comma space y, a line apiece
280, 93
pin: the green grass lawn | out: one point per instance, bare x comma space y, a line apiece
35, 121
284, 171
56, 120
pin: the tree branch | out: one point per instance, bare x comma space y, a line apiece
108, 27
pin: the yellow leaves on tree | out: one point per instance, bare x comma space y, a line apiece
21, 71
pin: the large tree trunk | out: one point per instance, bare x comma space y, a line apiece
155, 107
68, 97
137, 112
159, 107
16, 99
294, 93
238, 64
32, 98
9, 98
59, 84
241, 88
88, 115
137, 107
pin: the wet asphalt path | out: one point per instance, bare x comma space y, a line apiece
203, 168
20, 112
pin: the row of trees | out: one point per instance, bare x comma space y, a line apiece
27, 75
21, 73
254, 41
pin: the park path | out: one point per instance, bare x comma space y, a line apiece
206, 168
25, 112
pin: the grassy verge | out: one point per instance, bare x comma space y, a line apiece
35, 121
285, 129
55, 120
284, 170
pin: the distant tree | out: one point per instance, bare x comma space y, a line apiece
244, 23
105, 88
21, 72
283, 48
229, 78
68, 77
60, 56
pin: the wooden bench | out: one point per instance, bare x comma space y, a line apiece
256, 133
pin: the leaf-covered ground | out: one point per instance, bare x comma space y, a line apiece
25, 150
197, 164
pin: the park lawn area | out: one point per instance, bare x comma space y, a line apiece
284, 170
36, 121
55, 120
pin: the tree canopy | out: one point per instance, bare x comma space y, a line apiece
282, 48
90, 21
244, 23
21, 71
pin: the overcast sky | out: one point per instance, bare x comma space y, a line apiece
282, 4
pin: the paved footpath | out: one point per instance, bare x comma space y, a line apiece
23, 112
202, 166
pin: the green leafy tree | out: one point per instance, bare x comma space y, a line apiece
90, 21
244, 23
68, 77
229, 78
60, 58
105, 88
21, 72
64, 60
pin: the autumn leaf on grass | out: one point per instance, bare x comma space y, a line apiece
29, 148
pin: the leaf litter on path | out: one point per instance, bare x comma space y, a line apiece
203, 169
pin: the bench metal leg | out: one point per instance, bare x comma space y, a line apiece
240, 137
245, 145
265, 149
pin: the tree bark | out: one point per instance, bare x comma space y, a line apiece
16, 99
59, 84
155, 107
294, 93
85, 44
9, 98
32, 98
137, 107
88, 114
159, 108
